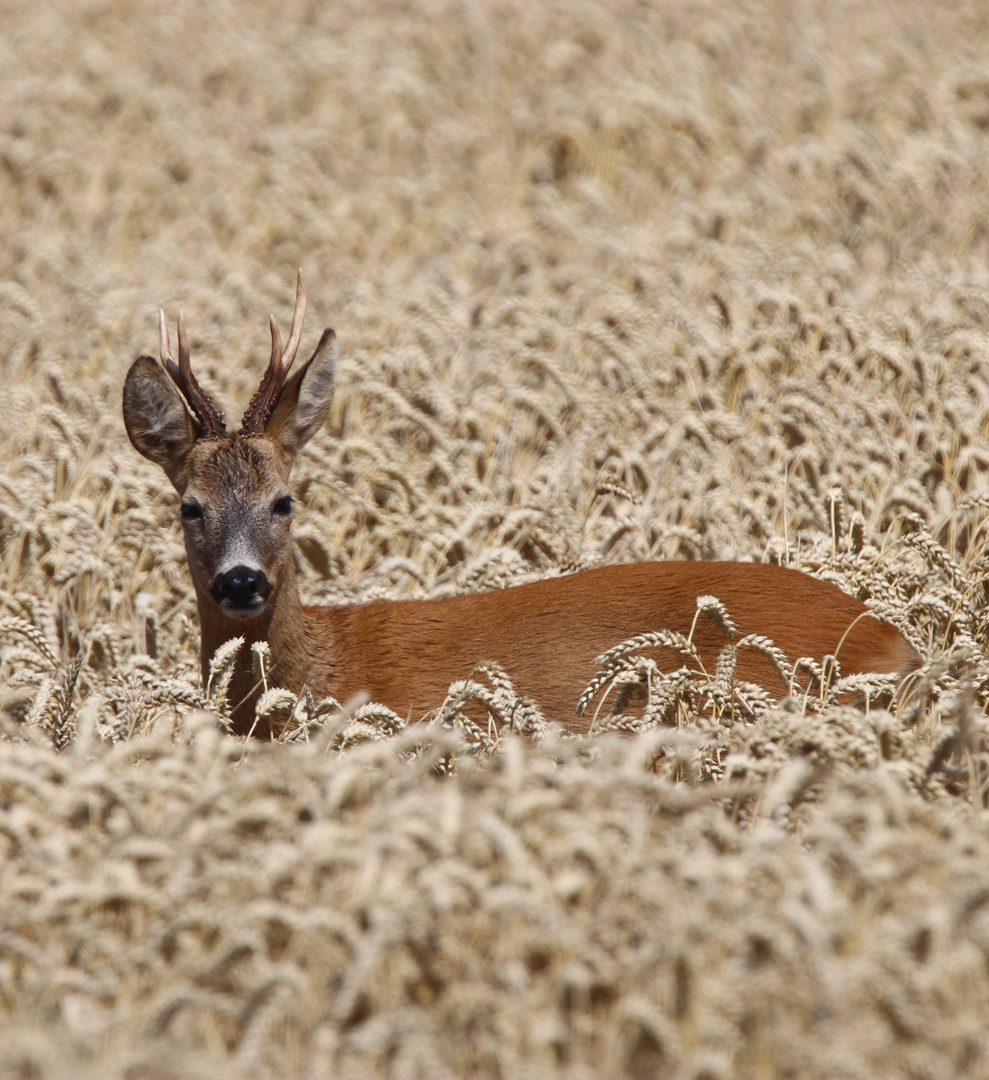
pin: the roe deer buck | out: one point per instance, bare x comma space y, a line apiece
237, 513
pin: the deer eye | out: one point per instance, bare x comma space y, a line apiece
282, 506
191, 512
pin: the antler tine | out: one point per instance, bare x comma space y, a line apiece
165, 350
184, 366
276, 344
210, 419
295, 334
273, 379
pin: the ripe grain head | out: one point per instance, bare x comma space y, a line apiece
611, 283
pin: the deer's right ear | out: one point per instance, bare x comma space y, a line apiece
157, 421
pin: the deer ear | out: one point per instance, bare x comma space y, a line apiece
157, 421
304, 403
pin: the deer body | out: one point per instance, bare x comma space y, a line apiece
547, 634
236, 513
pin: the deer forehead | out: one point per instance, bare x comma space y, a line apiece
237, 468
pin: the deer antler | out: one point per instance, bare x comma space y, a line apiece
210, 419
273, 379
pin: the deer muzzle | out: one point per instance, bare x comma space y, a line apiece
241, 590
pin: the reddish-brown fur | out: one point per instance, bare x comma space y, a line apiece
405, 654
546, 635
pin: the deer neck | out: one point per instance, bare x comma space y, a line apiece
294, 660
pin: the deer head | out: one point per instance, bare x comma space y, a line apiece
236, 506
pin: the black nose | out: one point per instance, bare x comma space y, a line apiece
241, 587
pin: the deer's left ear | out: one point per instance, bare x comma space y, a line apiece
304, 403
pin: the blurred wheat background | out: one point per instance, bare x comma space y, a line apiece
613, 281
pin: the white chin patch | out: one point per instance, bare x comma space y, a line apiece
238, 611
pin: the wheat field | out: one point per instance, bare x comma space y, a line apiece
612, 282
